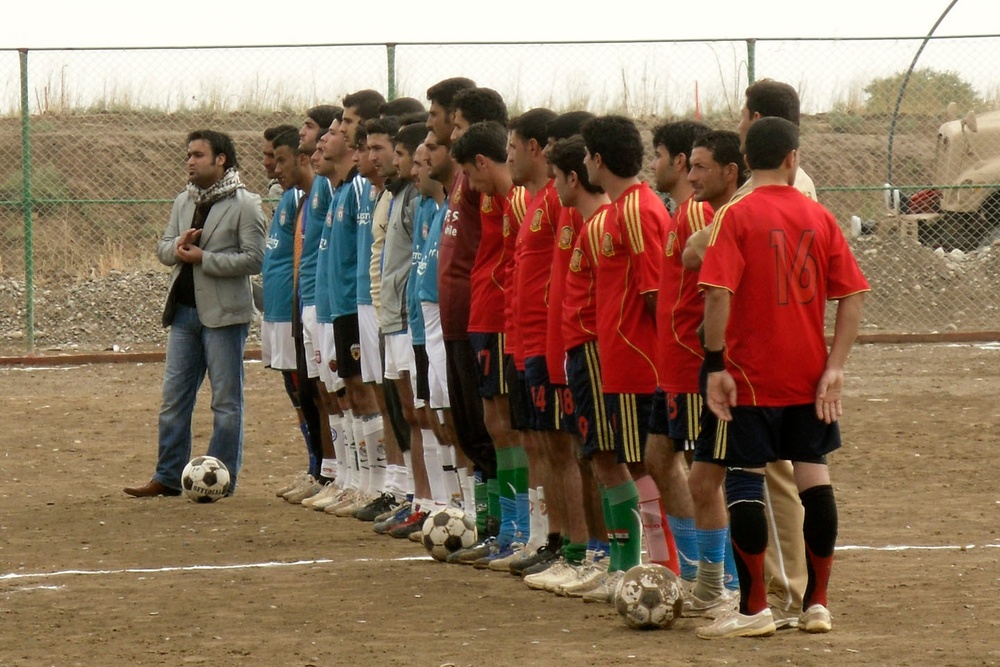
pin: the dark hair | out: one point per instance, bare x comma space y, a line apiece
723, 145
288, 138
220, 143
443, 92
411, 135
617, 140
773, 98
769, 140
568, 155
480, 104
414, 117
679, 138
533, 124
365, 102
272, 132
360, 135
401, 106
384, 125
324, 115
488, 139
567, 124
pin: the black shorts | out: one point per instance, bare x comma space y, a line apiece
488, 348
421, 363
347, 340
517, 396
583, 373
544, 406
467, 407
628, 415
757, 436
566, 409
677, 416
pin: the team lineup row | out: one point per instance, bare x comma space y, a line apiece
499, 314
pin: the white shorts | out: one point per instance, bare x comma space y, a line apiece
371, 360
277, 346
437, 365
399, 359
311, 341
333, 382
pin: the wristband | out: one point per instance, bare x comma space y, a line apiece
714, 362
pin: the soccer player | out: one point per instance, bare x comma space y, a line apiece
774, 258
627, 275
274, 188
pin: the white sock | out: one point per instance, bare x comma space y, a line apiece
364, 474
375, 445
337, 433
468, 492
328, 468
407, 485
543, 513
536, 534
432, 461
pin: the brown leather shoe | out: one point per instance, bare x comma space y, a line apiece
150, 489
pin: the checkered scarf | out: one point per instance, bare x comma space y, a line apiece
222, 188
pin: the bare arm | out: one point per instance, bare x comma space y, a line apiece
831, 383
721, 391
694, 249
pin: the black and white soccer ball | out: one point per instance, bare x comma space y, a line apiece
650, 597
205, 479
448, 530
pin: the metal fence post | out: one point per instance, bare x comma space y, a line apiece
751, 61
26, 204
390, 56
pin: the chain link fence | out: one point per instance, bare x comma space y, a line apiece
912, 173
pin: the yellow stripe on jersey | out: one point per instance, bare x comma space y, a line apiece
720, 214
519, 203
630, 427
696, 215
595, 233
694, 403
632, 222
501, 366
605, 438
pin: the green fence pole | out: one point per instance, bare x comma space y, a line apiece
751, 61
390, 56
29, 268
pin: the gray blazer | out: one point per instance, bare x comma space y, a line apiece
233, 245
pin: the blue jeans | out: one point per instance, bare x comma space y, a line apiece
193, 349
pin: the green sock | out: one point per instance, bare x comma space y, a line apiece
482, 506
519, 468
624, 502
574, 552
492, 499
614, 549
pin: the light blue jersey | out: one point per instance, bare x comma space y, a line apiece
426, 209
315, 214
279, 256
427, 269
323, 262
365, 239
344, 246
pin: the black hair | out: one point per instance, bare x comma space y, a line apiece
288, 138
568, 155
220, 143
533, 124
401, 106
443, 92
567, 124
480, 104
769, 141
617, 140
366, 103
773, 98
384, 125
679, 138
324, 115
488, 139
272, 132
411, 135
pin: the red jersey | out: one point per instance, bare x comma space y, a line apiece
627, 270
486, 314
567, 229
782, 256
514, 207
680, 307
532, 270
456, 254
580, 295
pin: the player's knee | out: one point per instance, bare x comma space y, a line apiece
292, 387
744, 486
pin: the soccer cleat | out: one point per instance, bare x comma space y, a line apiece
785, 619
414, 523
541, 559
560, 572
346, 499
503, 564
478, 550
292, 485
319, 504
505, 553
377, 507
402, 514
417, 535
348, 510
385, 516
327, 491
721, 604
735, 624
588, 577
606, 588
815, 619
306, 491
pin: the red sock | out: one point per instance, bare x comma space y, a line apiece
659, 539
819, 578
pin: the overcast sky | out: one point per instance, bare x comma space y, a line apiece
111, 23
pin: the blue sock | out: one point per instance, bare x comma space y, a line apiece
732, 579
686, 539
522, 517
508, 521
713, 544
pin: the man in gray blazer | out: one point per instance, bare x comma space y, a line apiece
215, 242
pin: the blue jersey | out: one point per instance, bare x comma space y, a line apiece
279, 255
314, 214
323, 262
427, 268
365, 240
344, 249
423, 216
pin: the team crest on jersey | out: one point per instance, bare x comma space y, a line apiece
340, 214
668, 248
456, 196
372, 194
487, 205
315, 201
565, 238
506, 226
283, 218
536, 221
329, 218
356, 351
608, 245
576, 260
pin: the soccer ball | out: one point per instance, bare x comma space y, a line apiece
205, 479
447, 531
649, 597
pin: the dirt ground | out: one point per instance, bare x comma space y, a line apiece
89, 576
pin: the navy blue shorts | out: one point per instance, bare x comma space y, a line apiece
583, 373
677, 416
629, 418
544, 402
517, 396
488, 348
